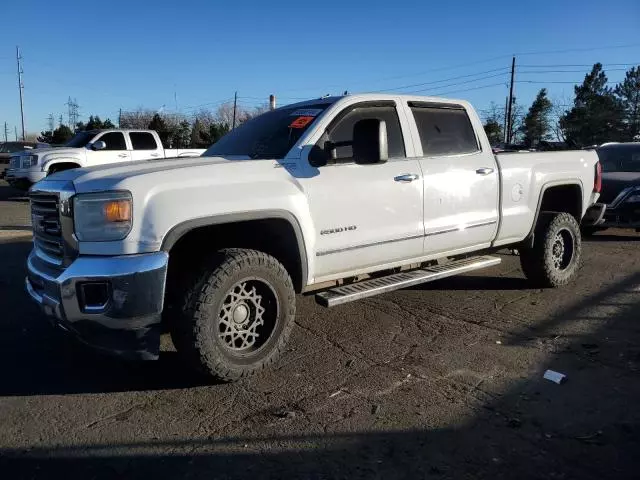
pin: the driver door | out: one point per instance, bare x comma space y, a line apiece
116, 150
366, 215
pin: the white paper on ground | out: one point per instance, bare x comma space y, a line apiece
556, 377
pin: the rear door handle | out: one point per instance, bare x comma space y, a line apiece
484, 171
406, 178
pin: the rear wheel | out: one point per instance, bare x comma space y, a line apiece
554, 259
237, 314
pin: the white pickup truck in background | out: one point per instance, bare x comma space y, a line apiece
340, 197
88, 149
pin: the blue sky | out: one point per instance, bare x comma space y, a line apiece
112, 55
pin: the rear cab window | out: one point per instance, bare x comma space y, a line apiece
444, 129
143, 141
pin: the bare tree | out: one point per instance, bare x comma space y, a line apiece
139, 118
560, 105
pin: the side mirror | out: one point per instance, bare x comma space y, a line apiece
370, 143
318, 157
99, 145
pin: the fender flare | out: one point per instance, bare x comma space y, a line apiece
181, 229
528, 240
54, 161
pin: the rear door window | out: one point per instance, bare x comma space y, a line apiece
444, 131
143, 141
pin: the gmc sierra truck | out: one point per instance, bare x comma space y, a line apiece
340, 197
87, 149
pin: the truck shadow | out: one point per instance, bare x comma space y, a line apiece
8, 193
45, 361
588, 427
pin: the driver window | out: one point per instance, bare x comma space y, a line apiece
342, 131
114, 141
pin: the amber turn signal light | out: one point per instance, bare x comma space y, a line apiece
117, 211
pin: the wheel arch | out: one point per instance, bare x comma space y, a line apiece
551, 199
282, 222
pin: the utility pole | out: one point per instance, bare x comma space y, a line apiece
119, 118
506, 115
510, 122
51, 122
72, 112
235, 106
60, 120
20, 89
6, 132
15, 130
272, 102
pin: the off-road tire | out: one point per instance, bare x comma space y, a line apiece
539, 263
195, 328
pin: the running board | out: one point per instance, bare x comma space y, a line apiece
396, 281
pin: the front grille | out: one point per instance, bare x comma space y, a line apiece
45, 219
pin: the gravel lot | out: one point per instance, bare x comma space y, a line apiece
439, 381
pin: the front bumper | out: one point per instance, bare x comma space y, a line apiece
23, 177
127, 324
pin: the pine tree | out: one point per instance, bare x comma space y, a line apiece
597, 115
536, 125
628, 93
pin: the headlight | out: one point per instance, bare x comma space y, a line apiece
29, 161
633, 199
102, 217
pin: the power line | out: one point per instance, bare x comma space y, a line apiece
503, 70
569, 71
581, 65
462, 83
467, 89
582, 49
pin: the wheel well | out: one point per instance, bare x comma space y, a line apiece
563, 198
59, 167
560, 199
274, 236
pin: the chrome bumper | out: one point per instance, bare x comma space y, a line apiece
127, 323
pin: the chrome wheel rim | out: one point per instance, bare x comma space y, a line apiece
562, 250
248, 316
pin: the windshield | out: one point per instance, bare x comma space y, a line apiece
620, 158
268, 136
80, 139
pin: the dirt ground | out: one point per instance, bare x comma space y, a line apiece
439, 381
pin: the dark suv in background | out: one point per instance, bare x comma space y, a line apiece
620, 185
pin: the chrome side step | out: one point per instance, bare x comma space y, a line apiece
396, 281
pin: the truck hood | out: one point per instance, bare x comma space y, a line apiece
66, 151
105, 177
614, 182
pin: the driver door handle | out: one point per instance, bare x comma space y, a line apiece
406, 177
484, 171
123, 155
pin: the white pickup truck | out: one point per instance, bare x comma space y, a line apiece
87, 149
341, 197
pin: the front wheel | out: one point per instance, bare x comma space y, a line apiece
554, 259
237, 314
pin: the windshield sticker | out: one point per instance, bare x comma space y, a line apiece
301, 122
307, 112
